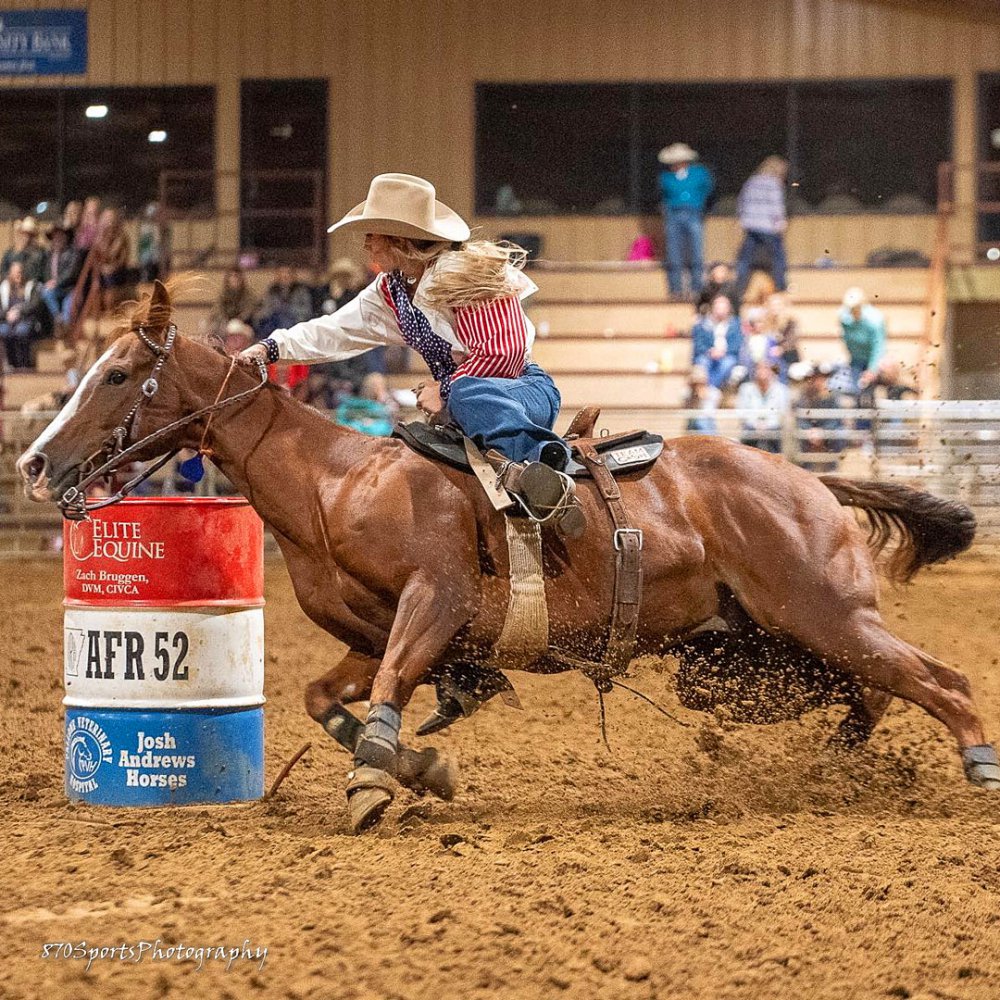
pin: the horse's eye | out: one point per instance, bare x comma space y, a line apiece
116, 378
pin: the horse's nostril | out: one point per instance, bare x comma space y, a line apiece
35, 466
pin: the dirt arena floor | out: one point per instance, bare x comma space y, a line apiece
713, 862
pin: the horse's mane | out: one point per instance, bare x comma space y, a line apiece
141, 312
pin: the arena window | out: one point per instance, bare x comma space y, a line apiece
551, 149
871, 144
73, 153
854, 146
283, 163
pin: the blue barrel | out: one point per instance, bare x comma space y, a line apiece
164, 653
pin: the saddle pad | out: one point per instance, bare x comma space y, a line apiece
447, 444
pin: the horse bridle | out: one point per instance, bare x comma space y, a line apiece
74, 503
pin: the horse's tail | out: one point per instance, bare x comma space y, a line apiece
929, 529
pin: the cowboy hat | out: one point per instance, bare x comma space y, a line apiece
28, 225
854, 297
404, 205
677, 152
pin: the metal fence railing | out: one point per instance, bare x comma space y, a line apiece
949, 448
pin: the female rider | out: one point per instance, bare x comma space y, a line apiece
457, 303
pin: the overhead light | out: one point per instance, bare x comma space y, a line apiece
96, 111
42, 206
158, 135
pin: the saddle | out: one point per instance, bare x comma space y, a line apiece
626, 452
599, 458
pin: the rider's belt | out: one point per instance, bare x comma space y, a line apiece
628, 574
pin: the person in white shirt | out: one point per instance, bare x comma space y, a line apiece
767, 400
457, 302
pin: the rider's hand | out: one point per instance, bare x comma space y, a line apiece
429, 398
253, 354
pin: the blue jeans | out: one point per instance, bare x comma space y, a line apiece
717, 369
774, 243
513, 415
685, 243
16, 338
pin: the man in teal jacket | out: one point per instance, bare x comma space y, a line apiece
863, 329
685, 187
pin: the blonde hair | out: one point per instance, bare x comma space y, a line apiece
464, 273
776, 166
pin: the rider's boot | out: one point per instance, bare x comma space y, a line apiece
543, 487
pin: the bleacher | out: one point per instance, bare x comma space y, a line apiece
606, 333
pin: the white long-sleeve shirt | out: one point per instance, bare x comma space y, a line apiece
490, 339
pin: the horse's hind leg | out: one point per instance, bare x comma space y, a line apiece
351, 681
879, 660
862, 717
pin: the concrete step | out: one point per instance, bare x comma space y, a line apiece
559, 319
629, 283
621, 354
21, 387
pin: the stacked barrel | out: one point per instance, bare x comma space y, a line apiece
164, 653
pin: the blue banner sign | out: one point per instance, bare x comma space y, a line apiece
43, 42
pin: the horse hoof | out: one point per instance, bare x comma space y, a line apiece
369, 794
428, 771
982, 767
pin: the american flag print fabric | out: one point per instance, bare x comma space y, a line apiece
494, 333
417, 332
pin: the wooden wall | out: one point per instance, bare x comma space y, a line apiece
402, 75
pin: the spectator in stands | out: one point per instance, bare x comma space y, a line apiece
86, 229
24, 316
703, 398
766, 401
152, 246
286, 303
71, 217
758, 344
763, 217
887, 384
236, 301
783, 327
717, 341
61, 271
721, 281
863, 328
818, 433
113, 248
26, 251
759, 289
686, 187
346, 279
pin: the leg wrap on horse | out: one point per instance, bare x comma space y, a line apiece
419, 770
380, 742
982, 766
344, 727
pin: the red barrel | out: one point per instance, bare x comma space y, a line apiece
164, 653
166, 551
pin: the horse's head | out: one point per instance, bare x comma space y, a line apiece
116, 394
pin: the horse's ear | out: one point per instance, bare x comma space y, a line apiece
160, 307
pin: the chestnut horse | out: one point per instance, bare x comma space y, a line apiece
406, 562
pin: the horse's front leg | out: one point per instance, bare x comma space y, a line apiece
350, 681
430, 611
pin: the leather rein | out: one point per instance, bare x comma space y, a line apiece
74, 503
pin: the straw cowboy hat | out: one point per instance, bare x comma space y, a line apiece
404, 205
28, 225
677, 152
